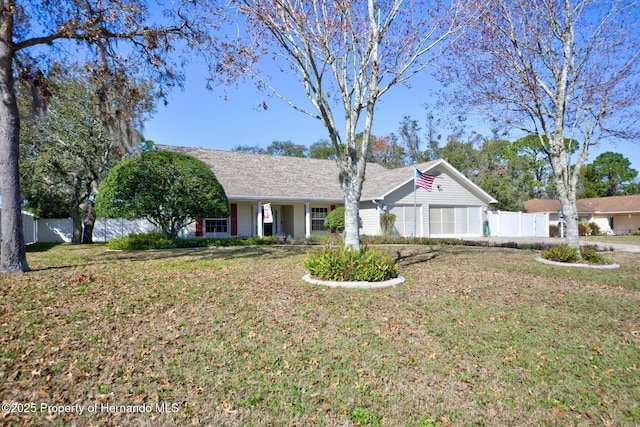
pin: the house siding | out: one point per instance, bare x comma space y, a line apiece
448, 196
299, 220
626, 223
244, 213
451, 193
369, 214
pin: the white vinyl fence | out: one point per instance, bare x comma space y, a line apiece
29, 228
518, 224
105, 229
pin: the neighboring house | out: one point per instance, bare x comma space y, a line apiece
614, 215
296, 194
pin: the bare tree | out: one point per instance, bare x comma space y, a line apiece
346, 54
561, 70
33, 33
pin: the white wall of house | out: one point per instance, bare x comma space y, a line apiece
604, 224
245, 216
290, 217
626, 223
299, 220
370, 216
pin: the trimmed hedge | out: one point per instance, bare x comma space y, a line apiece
146, 241
142, 241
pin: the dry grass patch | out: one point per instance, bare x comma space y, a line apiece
232, 336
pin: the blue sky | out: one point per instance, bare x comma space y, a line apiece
231, 116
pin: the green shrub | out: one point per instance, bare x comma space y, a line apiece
387, 221
142, 241
157, 241
595, 229
583, 228
564, 253
335, 220
590, 253
344, 265
554, 231
560, 253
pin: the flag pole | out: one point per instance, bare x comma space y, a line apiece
414, 203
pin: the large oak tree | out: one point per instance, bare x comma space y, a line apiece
66, 148
115, 39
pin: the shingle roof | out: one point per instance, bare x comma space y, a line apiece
542, 205
613, 204
262, 176
251, 175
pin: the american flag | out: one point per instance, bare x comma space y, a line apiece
424, 180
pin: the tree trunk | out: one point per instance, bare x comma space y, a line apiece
13, 258
565, 188
76, 218
88, 222
351, 229
352, 189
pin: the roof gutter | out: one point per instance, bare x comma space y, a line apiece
284, 199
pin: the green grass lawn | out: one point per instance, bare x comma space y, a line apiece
232, 336
628, 239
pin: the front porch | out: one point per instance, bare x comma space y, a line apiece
267, 218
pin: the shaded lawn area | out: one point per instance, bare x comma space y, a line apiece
232, 336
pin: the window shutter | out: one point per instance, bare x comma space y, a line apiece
333, 208
234, 219
199, 232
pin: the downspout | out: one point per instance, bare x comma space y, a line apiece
379, 207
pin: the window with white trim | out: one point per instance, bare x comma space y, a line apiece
317, 218
216, 225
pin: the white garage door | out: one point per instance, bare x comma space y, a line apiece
455, 221
405, 224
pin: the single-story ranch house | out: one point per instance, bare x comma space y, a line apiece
614, 215
296, 194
